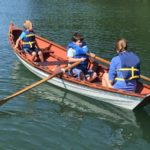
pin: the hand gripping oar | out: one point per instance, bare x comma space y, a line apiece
37, 83
107, 62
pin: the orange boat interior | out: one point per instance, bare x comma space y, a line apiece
55, 55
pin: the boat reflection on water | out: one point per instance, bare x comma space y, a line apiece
76, 102
130, 121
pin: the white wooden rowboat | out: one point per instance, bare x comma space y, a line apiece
56, 56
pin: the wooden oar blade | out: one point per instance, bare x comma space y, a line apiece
2, 101
56, 72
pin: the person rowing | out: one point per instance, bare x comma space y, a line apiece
77, 50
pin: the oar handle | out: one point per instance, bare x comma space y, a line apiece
98, 58
102, 60
37, 83
72, 65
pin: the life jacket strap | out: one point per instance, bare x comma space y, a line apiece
132, 69
128, 69
30, 43
29, 35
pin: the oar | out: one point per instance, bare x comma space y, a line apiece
107, 62
145, 78
102, 60
37, 83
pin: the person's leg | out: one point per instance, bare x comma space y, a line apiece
41, 56
82, 76
105, 80
78, 73
33, 56
31, 52
91, 75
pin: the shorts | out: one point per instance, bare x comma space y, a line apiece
30, 51
89, 73
76, 72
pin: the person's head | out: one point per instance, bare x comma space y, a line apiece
121, 45
77, 38
27, 25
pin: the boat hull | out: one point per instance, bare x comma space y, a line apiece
124, 101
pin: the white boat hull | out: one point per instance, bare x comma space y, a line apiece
124, 101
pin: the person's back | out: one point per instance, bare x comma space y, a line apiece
125, 68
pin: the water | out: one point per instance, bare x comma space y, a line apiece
48, 117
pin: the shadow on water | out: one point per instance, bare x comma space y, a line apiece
143, 121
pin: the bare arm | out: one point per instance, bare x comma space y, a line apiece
17, 42
71, 59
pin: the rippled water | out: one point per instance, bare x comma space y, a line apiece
48, 117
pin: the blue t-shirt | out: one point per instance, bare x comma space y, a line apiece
23, 34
